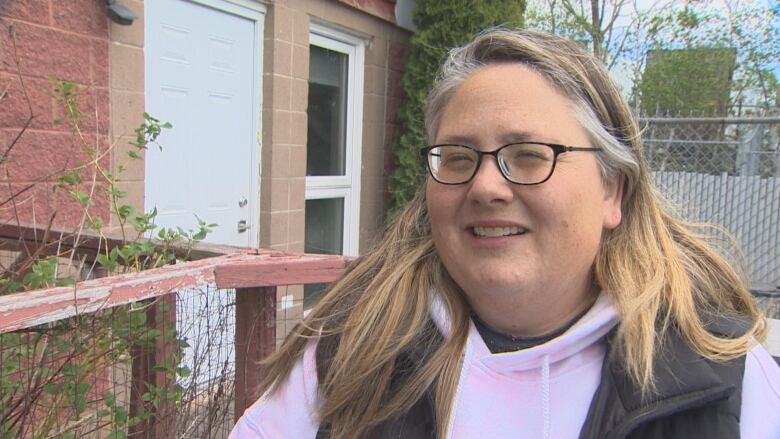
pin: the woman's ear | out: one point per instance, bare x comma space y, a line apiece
613, 201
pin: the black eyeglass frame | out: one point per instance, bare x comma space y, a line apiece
558, 149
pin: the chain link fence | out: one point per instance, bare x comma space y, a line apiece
725, 171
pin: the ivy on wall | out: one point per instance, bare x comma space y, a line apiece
442, 25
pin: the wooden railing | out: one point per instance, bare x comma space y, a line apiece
254, 274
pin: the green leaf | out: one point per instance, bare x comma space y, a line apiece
120, 417
108, 263
82, 198
66, 282
116, 434
71, 178
183, 372
109, 398
82, 388
114, 192
52, 388
93, 223
124, 211
137, 318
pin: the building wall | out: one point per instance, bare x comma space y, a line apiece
126, 63
75, 41
285, 90
42, 40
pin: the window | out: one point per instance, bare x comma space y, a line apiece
335, 118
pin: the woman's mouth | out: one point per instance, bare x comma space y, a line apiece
495, 232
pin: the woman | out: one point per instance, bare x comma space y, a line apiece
536, 287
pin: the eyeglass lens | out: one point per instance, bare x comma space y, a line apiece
524, 163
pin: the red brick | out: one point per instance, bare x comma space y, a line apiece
44, 53
14, 108
36, 11
40, 155
86, 17
37, 204
394, 82
393, 107
100, 63
396, 54
93, 106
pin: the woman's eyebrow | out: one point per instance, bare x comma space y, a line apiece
514, 136
517, 136
455, 138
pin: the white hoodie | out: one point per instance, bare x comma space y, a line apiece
541, 392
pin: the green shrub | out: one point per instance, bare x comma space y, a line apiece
442, 25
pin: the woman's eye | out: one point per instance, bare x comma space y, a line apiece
457, 160
530, 155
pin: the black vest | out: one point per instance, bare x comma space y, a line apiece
694, 397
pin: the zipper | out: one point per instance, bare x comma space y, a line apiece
668, 406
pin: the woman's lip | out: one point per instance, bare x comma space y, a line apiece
496, 232
496, 223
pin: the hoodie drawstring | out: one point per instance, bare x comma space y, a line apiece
546, 396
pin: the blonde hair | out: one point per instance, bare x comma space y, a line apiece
662, 272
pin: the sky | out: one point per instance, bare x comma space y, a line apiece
624, 72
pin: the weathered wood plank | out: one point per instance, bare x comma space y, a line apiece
255, 339
280, 270
146, 374
242, 270
87, 244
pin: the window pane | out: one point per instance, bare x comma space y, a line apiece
327, 121
324, 234
324, 226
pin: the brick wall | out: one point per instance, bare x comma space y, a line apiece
53, 40
396, 62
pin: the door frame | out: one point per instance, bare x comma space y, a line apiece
256, 13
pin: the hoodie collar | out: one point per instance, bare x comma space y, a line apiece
593, 326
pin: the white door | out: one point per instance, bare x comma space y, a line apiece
203, 76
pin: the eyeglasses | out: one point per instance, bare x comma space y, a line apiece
525, 163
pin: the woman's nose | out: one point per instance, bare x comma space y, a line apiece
489, 184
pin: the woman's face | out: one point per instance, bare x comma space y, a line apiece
522, 254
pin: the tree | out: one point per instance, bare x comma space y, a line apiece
687, 81
623, 35
607, 27
750, 29
442, 25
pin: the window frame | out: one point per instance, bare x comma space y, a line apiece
346, 186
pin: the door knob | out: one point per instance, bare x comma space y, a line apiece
242, 226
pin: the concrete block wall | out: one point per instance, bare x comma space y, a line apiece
41, 40
285, 91
126, 78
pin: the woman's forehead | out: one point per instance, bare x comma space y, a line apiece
507, 103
